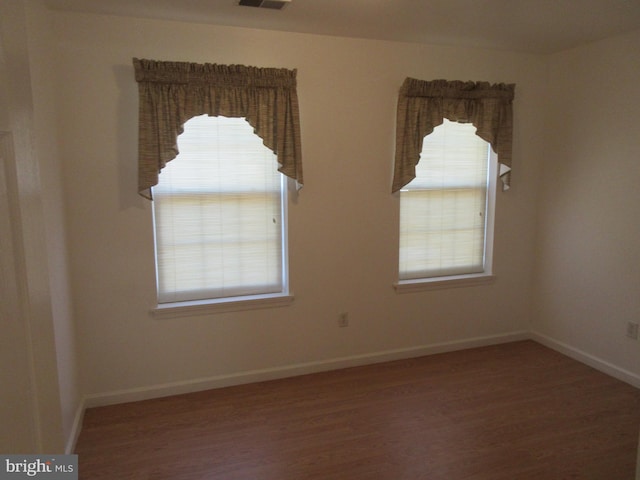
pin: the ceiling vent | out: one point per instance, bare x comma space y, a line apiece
272, 4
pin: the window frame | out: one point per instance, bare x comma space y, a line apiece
225, 305
465, 279
188, 307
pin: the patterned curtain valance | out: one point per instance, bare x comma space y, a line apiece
423, 105
170, 93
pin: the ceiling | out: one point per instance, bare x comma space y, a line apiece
534, 26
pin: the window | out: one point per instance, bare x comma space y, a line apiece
220, 215
447, 192
223, 240
446, 211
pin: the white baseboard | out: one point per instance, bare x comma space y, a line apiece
195, 385
199, 384
588, 359
70, 447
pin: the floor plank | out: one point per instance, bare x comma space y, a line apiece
514, 411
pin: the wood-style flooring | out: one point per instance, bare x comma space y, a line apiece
516, 411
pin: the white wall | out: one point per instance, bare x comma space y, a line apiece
42, 63
588, 253
30, 412
342, 227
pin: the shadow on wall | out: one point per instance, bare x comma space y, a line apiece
127, 148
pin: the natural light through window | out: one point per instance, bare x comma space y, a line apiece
446, 212
219, 215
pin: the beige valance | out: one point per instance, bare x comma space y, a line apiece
170, 93
423, 105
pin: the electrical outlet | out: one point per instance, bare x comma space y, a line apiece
632, 330
343, 320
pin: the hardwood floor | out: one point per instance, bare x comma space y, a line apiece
516, 411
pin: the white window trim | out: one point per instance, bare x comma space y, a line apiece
465, 280
238, 303
221, 305
439, 283
214, 305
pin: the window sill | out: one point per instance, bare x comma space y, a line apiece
234, 304
419, 285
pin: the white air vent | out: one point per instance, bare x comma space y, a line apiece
273, 4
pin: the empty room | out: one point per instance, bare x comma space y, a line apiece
336, 239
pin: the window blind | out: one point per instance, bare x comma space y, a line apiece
443, 211
218, 214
